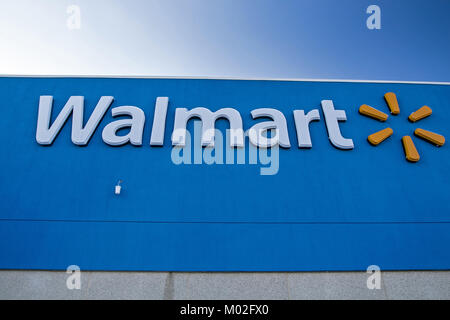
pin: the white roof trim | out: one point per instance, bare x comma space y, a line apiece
218, 78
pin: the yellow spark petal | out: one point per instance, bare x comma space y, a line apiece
421, 113
391, 100
410, 149
372, 112
432, 137
378, 137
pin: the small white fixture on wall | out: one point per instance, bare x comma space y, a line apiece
118, 187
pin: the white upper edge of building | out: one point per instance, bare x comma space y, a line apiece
217, 78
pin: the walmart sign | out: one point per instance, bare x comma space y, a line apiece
224, 175
81, 135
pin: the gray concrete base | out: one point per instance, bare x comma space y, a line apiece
176, 285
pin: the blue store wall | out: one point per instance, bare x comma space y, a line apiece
326, 209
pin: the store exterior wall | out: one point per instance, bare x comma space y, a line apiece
186, 285
61, 212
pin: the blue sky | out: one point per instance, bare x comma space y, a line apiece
321, 39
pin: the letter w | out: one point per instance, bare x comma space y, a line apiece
45, 134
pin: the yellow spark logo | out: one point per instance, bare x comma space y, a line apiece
411, 152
